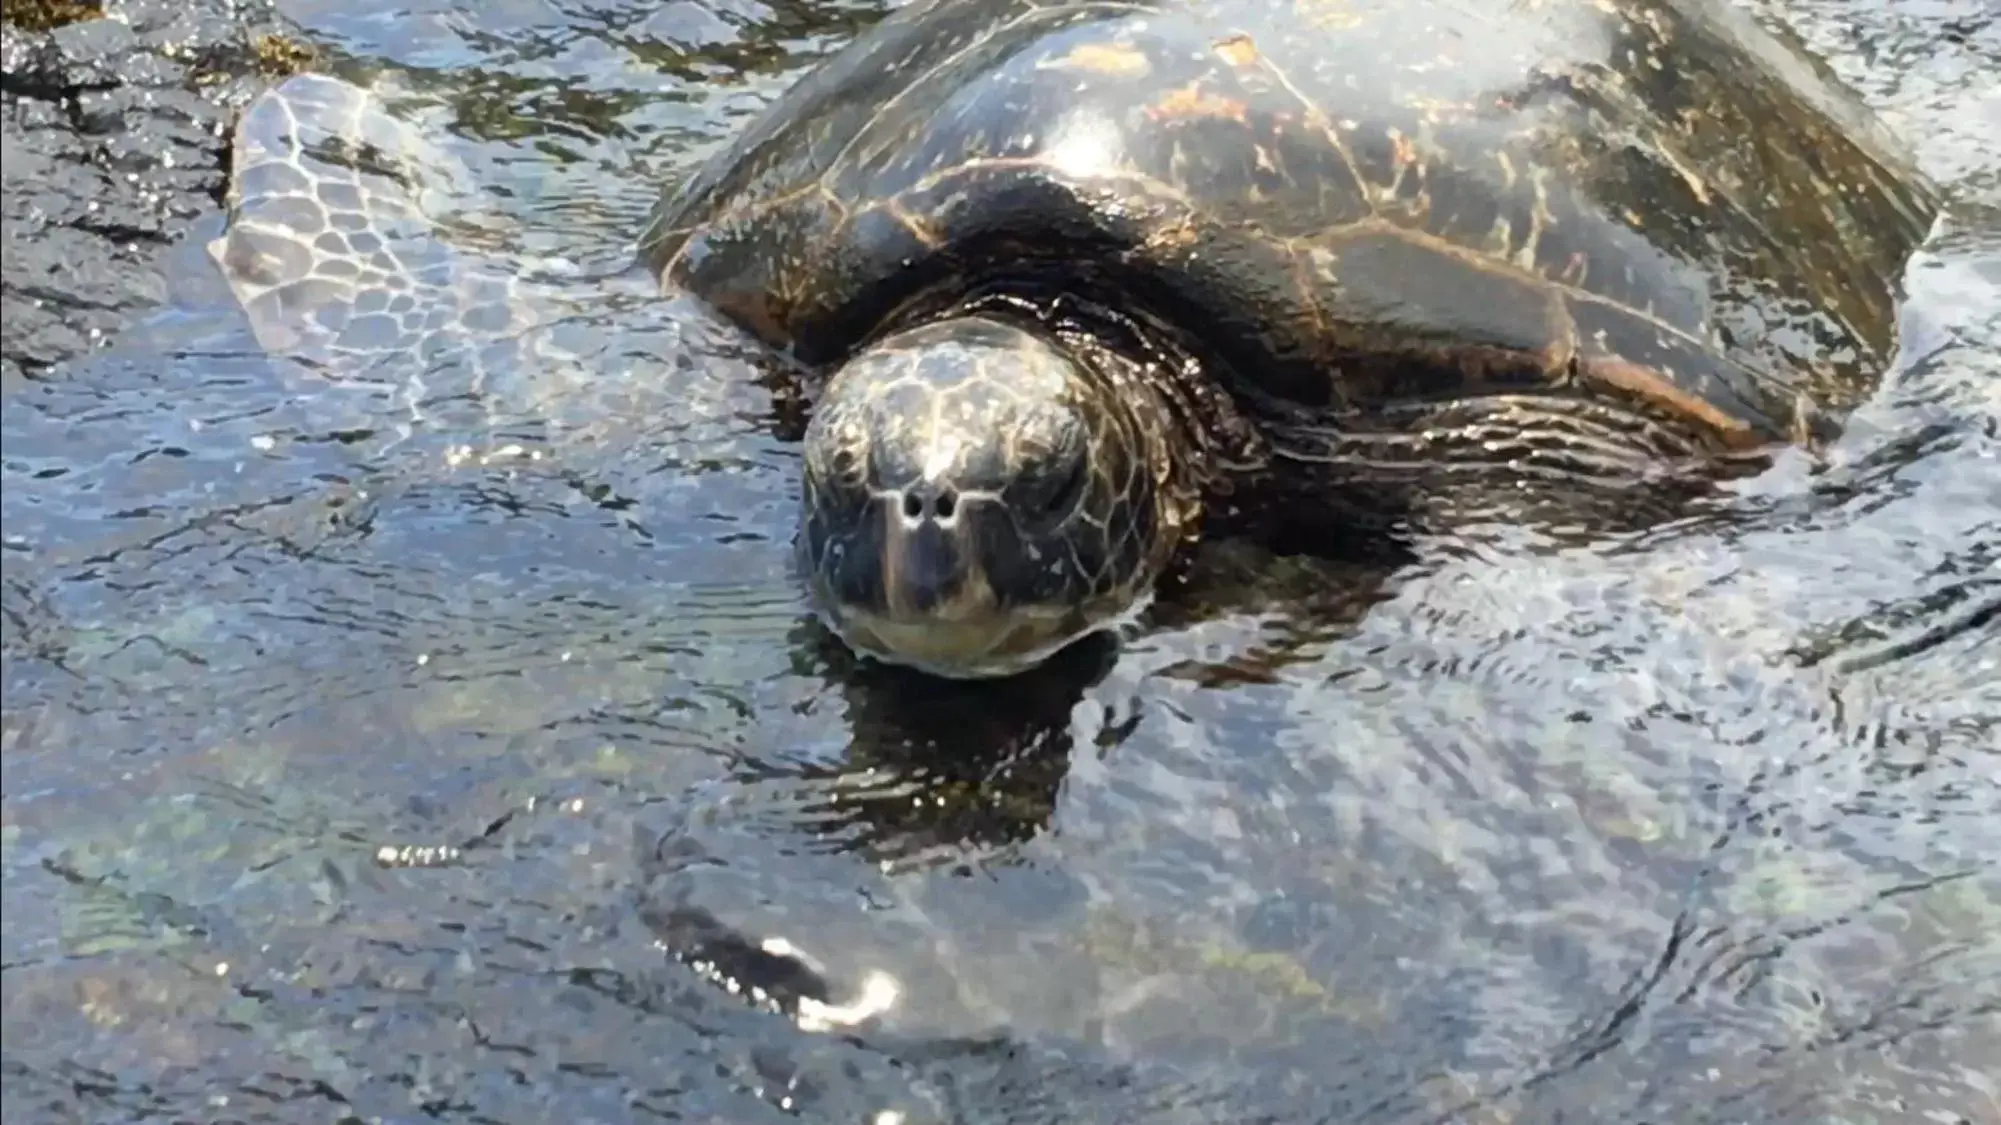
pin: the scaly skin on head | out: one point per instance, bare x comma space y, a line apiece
976, 498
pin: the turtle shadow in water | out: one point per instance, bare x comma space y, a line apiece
944, 776
940, 770
935, 772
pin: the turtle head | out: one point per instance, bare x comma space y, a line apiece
976, 498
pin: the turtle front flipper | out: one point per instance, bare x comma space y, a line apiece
332, 250
343, 248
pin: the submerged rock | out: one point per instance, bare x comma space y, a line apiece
116, 119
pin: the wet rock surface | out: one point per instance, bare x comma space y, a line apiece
115, 121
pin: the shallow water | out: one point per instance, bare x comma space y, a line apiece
385, 751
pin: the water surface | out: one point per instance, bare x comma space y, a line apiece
401, 750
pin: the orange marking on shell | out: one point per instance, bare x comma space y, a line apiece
1121, 59
1651, 385
1191, 101
1173, 236
1403, 149
1237, 50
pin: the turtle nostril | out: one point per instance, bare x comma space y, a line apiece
920, 501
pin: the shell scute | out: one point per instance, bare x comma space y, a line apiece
1344, 203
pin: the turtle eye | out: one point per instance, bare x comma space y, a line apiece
836, 484
1057, 498
841, 469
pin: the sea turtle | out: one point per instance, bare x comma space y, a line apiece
1068, 280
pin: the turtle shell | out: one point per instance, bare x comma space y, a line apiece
1350, 207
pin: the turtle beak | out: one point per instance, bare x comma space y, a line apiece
930, 566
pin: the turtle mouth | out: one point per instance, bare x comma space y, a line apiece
925, 601
980, 648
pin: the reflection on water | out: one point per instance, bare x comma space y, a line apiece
380, 758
